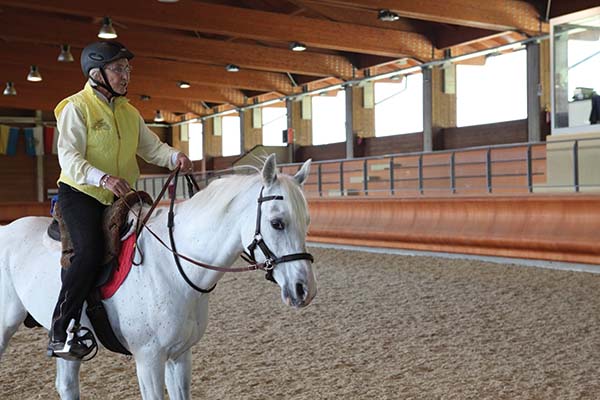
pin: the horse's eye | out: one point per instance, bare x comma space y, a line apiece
277, 224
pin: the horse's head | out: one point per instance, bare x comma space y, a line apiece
284, 219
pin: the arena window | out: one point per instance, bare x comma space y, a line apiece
399, 106
329, 118
231, 140
195, 141
274, 122
493, 92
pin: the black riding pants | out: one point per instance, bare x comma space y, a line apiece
82, 215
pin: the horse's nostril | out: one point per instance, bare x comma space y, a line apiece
300, 292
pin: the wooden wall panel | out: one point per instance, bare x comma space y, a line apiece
545, 77
252, 136
444, 139
150, 169
213, 145
302, 127
485, 135
18, 175
444, 104
409, 143
51, 172
10, 211
220, 163
332, 151
363, 124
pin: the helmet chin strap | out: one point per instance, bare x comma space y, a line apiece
106, 84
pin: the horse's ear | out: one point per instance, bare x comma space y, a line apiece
302, 174
269, 171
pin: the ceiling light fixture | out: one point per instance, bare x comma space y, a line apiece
65, 54
107, 31
183, 85
232, 68
158, 117
297, 46
34, 74
10, 89
387, 16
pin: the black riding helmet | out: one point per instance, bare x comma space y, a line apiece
97, 55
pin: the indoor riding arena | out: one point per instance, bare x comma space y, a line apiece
453, 194
382, 326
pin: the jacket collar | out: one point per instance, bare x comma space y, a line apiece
115, 101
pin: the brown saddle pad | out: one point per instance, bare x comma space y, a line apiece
115, 218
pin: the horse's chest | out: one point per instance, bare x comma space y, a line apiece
176, 326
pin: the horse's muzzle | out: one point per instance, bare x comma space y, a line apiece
297, 295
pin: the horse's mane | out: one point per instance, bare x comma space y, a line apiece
219, 195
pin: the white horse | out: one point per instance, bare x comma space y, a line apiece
155, 314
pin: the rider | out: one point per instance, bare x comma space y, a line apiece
100, 134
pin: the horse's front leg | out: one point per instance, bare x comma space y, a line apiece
179, 376
67, 379
150, 368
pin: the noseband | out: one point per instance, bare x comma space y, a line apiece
271, 260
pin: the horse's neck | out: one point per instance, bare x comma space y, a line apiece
201, 234
208, 235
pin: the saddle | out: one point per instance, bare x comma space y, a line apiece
114, 225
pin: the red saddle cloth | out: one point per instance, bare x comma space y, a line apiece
122, 270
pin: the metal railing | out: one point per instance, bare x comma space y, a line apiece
486, 170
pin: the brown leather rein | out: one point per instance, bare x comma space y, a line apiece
270, 259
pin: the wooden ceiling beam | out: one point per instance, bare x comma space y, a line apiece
362, 17
65, 83
31, 27
210, 75
245, 23
47, 89
496, 15
29, 98
559, 8
447, 36
161, 103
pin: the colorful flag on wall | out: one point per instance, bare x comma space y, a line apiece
3, 138
13, 137
50, 140
38, 137
29, 142
34, 141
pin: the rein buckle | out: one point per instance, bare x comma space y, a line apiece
269, 264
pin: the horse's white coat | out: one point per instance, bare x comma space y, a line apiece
155, 314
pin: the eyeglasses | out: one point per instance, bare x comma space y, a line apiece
121, 70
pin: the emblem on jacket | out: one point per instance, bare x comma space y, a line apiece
101, 125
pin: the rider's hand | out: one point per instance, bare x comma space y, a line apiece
118, 186
184, 163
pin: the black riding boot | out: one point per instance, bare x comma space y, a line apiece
82, 216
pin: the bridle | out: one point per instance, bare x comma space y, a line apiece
271, 260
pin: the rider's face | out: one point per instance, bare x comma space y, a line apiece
118, 74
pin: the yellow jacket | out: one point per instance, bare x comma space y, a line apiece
111, 139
